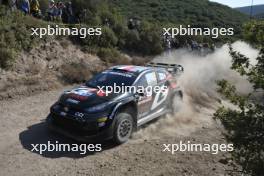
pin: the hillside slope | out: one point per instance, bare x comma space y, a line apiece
260, 16
47, 67
195, 12
257, 9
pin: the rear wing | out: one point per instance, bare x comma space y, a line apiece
174, 69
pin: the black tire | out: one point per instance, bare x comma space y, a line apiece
123, 127
176, 103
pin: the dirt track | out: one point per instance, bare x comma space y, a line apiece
22, 124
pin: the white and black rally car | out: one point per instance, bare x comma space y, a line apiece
89, 112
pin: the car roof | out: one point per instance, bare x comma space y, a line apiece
135, 69
131, 68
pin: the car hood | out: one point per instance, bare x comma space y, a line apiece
83, 97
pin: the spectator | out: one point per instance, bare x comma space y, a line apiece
69, 13
35, 10
131, 24
13, 5
25, 6
194, 45
82, 16
51, 10
106, 22
59, 10
168, 44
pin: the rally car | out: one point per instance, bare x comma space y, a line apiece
92, 112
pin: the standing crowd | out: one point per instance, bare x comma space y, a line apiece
56, 11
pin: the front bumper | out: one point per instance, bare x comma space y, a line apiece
79, 132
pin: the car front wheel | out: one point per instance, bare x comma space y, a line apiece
123, 127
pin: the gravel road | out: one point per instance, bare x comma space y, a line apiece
23, 123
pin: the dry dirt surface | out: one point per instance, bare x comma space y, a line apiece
23, 123
45, 68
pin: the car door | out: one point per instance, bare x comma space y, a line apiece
145, 86
161, 93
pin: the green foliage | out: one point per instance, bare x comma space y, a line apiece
75, 72
245, 125
254, 32
15, 34
153, 15
146, 39
111, 55
201, 13
131, 40
107, 39
150, 40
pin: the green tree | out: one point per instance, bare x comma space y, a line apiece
245, 125
254, 32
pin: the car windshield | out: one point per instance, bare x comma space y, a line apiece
109, 78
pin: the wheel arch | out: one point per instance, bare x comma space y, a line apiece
129, 107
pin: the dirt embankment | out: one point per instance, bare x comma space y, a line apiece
47, 67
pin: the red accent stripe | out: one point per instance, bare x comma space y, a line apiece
128, 68
101, 93
78, 97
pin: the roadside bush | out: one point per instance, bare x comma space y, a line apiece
151, 43
145, 41
111, 55
131, 41
108, 38
7, 57
75, 72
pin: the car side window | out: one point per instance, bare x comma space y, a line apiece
142, 82
162, 75
151, 78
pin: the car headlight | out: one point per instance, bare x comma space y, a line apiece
98, 107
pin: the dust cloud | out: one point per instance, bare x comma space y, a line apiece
199, 85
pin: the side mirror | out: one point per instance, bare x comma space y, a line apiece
180, 69
140, 93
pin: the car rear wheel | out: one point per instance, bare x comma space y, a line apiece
123, 127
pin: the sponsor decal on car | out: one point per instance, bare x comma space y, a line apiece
82, 93
143, 100
72, 101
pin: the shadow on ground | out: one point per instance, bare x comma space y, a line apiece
39, 134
